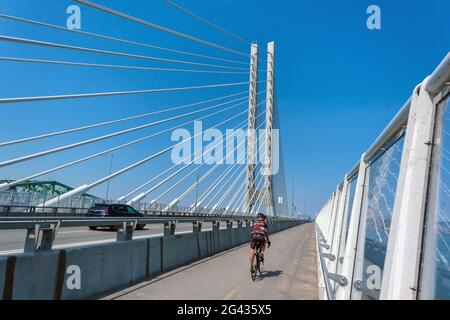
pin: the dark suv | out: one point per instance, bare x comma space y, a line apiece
114, 211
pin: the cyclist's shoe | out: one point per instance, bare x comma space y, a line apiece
252, 270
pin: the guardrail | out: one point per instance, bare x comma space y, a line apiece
41, 231
77, 211
10, 209
11, 201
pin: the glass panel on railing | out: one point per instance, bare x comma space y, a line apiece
379, 202
335, 226
441, 226
345, 225
348, 209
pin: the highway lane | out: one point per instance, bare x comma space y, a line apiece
290, 273
12, 241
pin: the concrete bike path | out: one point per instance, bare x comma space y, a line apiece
290, 273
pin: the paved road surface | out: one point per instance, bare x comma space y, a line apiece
291, 273
12, 241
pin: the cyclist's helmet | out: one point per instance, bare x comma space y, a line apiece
261, 216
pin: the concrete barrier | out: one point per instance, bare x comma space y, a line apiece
103, 268
35, 276
3, 261
179, 250
106, 266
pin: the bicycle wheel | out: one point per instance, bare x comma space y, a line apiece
258, 262
261, 265
253, 275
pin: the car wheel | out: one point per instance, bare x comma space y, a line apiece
140, 227
92, 228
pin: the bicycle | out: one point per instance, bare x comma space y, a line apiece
259, 265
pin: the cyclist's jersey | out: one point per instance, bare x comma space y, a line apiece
260, 229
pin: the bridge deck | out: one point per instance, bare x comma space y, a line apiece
290, 273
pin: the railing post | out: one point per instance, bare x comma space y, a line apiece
339, 226
353, 228
169, 228
197, 226
47, 238
40, 238
126, 232
345, 222
402, 264
31, 239
359, 263
328, 229
216, 225
11, 196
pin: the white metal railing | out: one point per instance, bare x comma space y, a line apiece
327, 278
387, 224
12, 201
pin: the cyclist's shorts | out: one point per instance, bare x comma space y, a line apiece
257, 241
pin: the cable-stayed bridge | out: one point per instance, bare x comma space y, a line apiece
189, 137
185, 130
242, 104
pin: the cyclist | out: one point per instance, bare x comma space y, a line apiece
259, 238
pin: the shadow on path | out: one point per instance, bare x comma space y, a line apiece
272, 274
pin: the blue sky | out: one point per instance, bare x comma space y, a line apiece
338, 83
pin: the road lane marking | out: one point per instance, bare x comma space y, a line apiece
230, 294
77, 244
76, 231
6, 252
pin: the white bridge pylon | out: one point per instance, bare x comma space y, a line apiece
264, 196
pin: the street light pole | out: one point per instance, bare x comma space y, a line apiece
293, 194
196, 192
